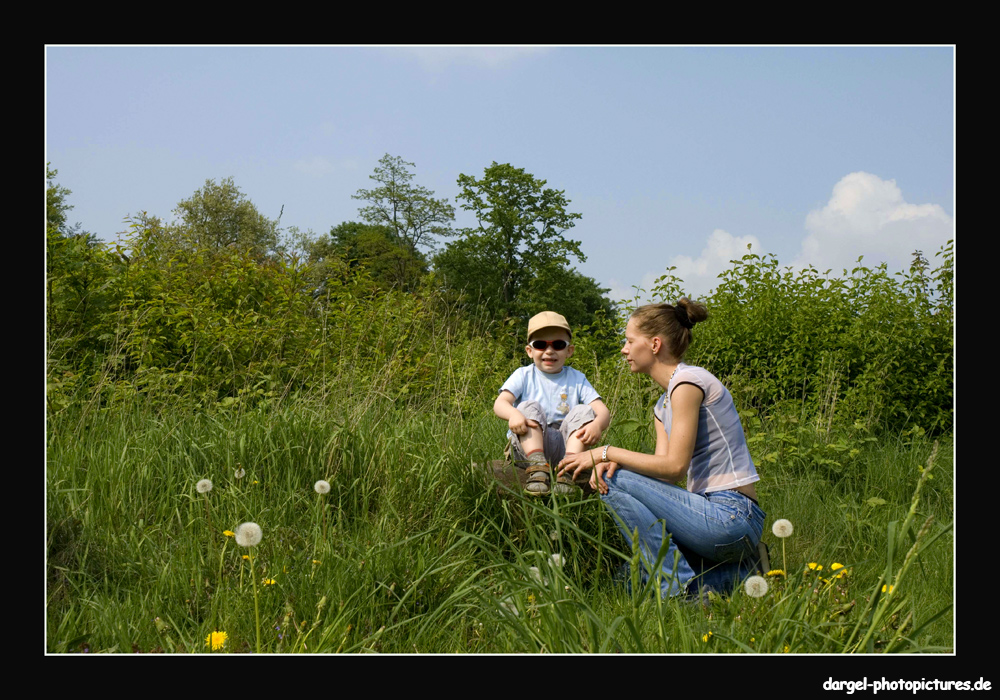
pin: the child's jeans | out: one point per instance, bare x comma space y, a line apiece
554, 435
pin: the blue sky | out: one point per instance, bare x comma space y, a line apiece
673, 155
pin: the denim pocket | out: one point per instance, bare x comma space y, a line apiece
741, 549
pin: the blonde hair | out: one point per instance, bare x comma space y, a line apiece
672, 323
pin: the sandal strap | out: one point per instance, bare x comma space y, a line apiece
535, 468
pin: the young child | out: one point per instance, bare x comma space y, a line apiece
551, 409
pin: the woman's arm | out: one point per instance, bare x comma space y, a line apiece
672, 458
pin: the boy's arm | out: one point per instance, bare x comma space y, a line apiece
591, 433
504, 408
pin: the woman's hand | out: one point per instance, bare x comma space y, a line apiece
576, 463
603, 470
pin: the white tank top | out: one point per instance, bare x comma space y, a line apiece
721, 458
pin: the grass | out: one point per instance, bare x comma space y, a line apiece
422, 553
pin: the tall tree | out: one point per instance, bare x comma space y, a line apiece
410, 211
518, 248
220, 215
55, 201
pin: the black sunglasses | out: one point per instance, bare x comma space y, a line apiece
542, 344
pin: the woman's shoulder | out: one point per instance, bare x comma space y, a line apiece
700, 377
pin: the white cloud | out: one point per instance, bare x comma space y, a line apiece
868, 216
700, 274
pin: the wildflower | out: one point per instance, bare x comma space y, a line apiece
781, 528
786, 649
705, 637
835, 566
775, 572
248, 535
556, 560
215, 640
322, 486
269, 582
246, 556
316, 561
204, 486
756, 586
814, 566
229, 533
239, 473
887, 588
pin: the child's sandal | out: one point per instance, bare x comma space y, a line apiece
538, 479
565, 485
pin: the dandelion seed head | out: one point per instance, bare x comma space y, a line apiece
239, 473
556, 560
781, 528
248, 535
204, 486
537, 576
756, 586
322, 486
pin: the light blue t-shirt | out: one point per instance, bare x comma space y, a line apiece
721, 458
556, 393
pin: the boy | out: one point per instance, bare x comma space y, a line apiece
549, 408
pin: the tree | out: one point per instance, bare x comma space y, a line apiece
220, 215
410, 212
55, 201
517, 257
371, 247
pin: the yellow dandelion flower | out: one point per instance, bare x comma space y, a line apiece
786, 649
247, 557
229, 533
316, 561
839, 568
776, 572
814, 566
215, 640
887, 588
269, 582
705, 637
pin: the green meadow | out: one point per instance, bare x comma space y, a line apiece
350, 417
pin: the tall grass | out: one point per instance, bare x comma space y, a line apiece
424, 553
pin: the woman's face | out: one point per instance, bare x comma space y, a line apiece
638, 349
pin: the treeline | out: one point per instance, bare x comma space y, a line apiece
223, 308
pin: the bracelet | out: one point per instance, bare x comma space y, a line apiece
591, 453
604, 457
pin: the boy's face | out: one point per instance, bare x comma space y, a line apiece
549, 360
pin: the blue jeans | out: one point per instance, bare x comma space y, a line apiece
715, 534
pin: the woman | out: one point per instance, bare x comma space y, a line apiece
715, 524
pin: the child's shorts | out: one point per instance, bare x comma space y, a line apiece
554, 435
